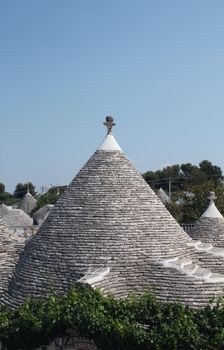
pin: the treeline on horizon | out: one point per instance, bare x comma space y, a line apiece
187, 179
181, 178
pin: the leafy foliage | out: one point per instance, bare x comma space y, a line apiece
6, 197
161, 178
133, 323
188, 179
184, 175
2, 188
21, 189
49, 197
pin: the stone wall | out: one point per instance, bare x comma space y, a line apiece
69, 343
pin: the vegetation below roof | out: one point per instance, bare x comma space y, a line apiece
134, 323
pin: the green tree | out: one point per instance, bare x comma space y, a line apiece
161, 178
6, 197
47, 198
171, 171
154, 178
194, 207
2, 188
213, 172
50, 197
196, 177
21, 189
188, 178
133, 323
176, 211
187, 168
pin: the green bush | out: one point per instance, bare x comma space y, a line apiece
133, 323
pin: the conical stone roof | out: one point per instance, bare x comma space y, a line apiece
42, 213
17, 218
3, 210
27, 203
163, 196
10, 248
109, 229
210, 227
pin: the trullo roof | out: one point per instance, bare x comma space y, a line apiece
210, 227
10, 248
163, 196
109, 229
27, 203
42, 213
3, 210
17, 218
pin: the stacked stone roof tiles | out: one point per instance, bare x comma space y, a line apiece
109, 229
14, 218
27, 203
10, 248
42, 213
3, 210
17, 218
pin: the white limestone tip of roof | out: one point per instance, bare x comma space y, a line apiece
28, 194
212, 212
109, 143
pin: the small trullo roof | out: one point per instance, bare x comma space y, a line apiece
17, 218
109, 229
14, 218
210, 227
42, 213
27, 203
163, 196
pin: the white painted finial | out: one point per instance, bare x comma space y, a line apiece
109, 124
212, 196
212, 211
109, 143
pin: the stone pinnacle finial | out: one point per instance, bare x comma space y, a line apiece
109, 123
212, 196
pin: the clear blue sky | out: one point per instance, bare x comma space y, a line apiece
156, 66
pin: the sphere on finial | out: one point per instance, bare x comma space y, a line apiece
109, 119
212, 196
109, 123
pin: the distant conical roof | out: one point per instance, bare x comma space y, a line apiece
163, 196
14, 218
210, 227
212, 211
3, 210
42, 213
109, 229
17, 218
27, 203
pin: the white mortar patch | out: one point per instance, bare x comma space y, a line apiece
97, 275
